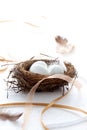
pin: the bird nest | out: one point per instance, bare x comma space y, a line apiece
21, 79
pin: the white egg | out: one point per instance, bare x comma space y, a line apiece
42, 63
61, 63
55, 69
39, 67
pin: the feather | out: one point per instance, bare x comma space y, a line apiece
11, 117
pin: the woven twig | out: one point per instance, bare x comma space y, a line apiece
23, 80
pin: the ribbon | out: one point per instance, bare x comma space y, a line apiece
32, 93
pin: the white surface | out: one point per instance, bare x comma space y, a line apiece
21, 41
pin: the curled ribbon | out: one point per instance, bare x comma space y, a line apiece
2, 59
32, 93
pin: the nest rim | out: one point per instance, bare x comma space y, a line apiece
25, 79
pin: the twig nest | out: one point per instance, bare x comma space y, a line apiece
26, 74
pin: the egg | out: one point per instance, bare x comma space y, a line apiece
61, 63
42, 63
39, 67
55, 69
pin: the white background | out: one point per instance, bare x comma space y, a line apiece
20, 41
